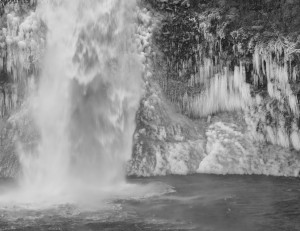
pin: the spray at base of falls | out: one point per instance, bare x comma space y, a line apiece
87, 97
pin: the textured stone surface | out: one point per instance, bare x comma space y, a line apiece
211, 57
166, 142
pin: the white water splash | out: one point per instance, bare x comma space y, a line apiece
87, 97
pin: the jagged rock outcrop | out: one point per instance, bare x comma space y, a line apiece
166, 142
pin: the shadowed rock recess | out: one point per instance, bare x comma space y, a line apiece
221, 82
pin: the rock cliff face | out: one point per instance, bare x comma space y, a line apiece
230, 69
221, 86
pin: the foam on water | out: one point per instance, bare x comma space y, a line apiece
88, 198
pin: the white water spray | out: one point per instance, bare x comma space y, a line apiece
87, 96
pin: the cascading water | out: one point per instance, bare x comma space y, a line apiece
87, 96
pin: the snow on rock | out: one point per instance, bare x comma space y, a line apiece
165, 141
231, 151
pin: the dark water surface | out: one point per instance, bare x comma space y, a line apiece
200, 202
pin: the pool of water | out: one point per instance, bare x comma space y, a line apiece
197, 202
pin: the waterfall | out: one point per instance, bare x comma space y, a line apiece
87, 96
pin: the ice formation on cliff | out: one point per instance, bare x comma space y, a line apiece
226, 91
207, 68
21, 52
204, 68
231, 151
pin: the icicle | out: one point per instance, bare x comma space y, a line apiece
295, 136
226, 91
282, 136
294, 74
256, 61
